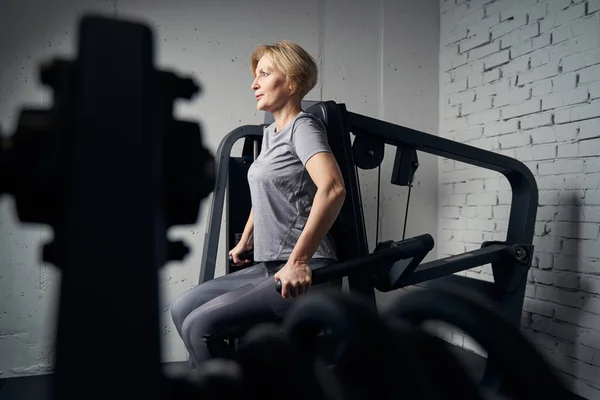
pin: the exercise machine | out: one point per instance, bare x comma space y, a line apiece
394, 263
510, 259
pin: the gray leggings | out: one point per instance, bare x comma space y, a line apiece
227, 306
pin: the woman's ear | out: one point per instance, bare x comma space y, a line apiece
292, 86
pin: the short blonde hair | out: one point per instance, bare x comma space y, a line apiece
293, 61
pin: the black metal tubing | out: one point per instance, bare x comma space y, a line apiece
349, 231
238, 204
524, 204
461, 262
379, 262
510, 275
524, 188
215, 214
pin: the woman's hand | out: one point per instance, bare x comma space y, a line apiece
295, 278
239, 249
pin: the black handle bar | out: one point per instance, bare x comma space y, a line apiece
386, 258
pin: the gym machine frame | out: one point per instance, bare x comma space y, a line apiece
510, 259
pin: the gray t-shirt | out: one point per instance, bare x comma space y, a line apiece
282, 190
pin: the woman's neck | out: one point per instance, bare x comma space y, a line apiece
285, 115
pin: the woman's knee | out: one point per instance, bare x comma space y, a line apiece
185, 304
213, 318
188, 302
178, 312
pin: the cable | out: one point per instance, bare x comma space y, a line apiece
406, 212
378, 198
361, 205
378, 201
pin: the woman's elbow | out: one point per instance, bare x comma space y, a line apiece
339, 192
334, 191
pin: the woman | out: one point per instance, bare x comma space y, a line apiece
297, 192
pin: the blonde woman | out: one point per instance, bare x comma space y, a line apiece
296, 191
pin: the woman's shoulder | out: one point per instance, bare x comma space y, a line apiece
307, 119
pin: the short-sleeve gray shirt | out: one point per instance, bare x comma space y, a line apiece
282, 190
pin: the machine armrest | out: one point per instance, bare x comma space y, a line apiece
385, 262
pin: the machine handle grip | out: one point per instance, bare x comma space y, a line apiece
248, 255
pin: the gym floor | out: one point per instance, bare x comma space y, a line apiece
36, 387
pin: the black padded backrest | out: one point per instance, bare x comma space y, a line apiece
348, 230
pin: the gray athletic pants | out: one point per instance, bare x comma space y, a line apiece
227, 306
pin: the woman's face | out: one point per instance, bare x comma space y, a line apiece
271, 87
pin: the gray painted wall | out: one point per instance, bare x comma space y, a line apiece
380, 58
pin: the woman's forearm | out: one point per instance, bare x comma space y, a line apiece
325, 209
248, 234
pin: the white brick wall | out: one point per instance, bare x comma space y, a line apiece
522, 78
